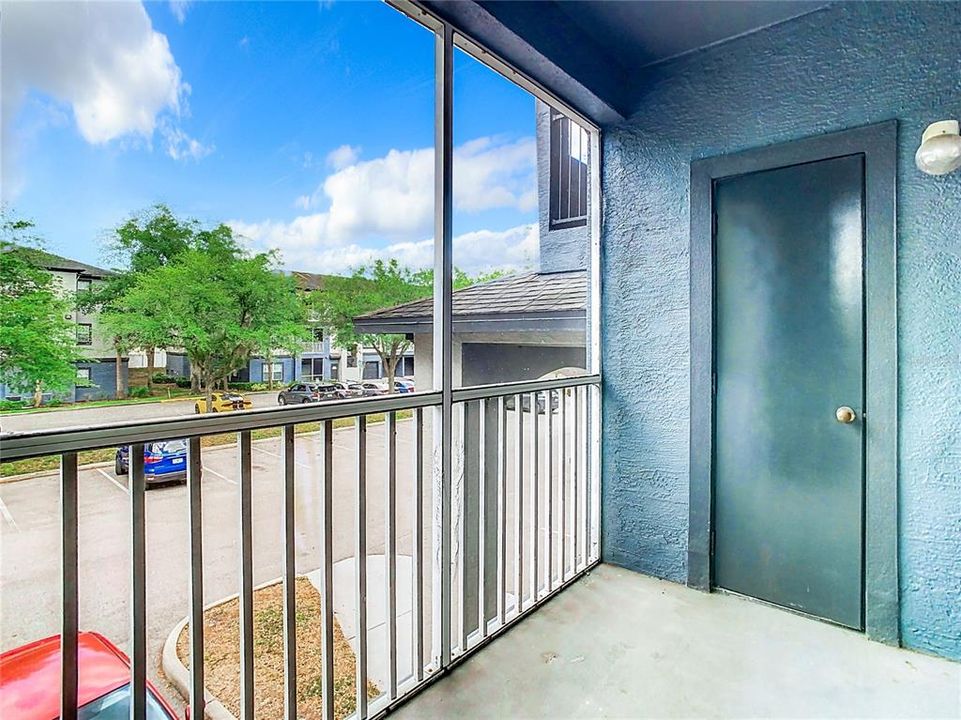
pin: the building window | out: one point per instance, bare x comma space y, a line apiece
84, 334
83, 284
83, 376
275, 371
318, 334
568, 173
334, 371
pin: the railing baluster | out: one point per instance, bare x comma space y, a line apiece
194, 508
327, 569
519, 504
501, 511
549, 409
595, 424
535, 496
482, 521
390, 554
68, 585
585, 478
575, 491
138, 585
462, 527
246, 579
418, 581
360, 560
290, 577
563, 509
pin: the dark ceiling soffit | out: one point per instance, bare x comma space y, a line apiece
479, 25
514, 322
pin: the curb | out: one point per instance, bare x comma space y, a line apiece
4, 479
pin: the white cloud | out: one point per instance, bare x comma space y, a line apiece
103, 60
179, 9
479, 251
343, 156
393, 195
181, 146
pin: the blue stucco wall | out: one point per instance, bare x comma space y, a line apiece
841, 67
103, 376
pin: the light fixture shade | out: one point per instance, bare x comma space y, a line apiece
940, 151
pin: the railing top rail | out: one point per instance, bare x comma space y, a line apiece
16, 446
479, 392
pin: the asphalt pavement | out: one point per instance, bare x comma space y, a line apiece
81, 416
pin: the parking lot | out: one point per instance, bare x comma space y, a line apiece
30, 536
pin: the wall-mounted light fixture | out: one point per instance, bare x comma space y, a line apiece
940, 151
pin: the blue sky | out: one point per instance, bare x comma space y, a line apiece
307, 126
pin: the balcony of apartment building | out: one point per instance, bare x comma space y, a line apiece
745, 503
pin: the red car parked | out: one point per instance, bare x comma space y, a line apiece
30, 682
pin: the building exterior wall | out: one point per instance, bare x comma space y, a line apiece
103, 378
841, 67
560, 250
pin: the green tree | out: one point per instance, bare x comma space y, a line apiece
38, 341
217, 303
375, 287
138, 246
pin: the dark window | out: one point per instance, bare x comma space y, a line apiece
352, 359
83, 375
334, 371
84, 334
371, 370
568, 172
318, 334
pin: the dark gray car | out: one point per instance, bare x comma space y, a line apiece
300, 393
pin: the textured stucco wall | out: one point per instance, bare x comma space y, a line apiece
103, 375
841, 67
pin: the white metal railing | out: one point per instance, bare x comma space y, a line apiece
525, 462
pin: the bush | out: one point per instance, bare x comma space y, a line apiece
240, 386
183, 382
139, 392
9, 405
162, 379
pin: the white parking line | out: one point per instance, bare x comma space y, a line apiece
111, 479
222, 477
8, 516
273, 454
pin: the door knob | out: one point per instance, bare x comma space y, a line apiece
845, 415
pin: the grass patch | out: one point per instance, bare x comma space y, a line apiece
89, 457
222, 656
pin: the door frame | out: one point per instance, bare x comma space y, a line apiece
878, 145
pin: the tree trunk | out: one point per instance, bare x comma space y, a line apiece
391, 370
270, 371
118, 373
38, 393
150, 367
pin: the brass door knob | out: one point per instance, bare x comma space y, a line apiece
845, 415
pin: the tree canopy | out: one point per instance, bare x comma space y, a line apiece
38, 341
215, 301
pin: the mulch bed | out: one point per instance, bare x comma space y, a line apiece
222, 656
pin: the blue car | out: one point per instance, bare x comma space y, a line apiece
163, 461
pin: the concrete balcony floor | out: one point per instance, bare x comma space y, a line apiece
622, 645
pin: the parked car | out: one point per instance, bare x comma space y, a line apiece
403, 385
372, 389
30, 682
526, 402
163, 461
349, 390
300, 393
224, 402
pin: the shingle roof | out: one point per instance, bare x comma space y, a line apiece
49, 261
528, 293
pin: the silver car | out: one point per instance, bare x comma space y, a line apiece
300, 393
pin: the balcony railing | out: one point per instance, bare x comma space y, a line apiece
518, 520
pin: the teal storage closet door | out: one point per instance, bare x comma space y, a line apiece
789, 352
